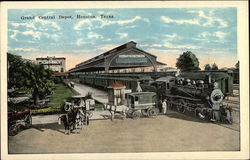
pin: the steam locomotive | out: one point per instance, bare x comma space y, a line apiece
202, 97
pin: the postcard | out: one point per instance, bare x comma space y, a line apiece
124, 80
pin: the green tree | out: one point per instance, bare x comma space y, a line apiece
207, 67
39, 80
237, 65
215, 67
15, 71
187, 62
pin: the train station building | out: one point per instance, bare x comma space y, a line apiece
121, 57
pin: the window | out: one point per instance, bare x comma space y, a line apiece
136, 98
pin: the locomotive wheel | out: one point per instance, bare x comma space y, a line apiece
180, 107
136, 114
13, 130
152, 112
144, 112
28, 121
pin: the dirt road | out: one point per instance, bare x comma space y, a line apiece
174, 132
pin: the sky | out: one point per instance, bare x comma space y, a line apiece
210, 33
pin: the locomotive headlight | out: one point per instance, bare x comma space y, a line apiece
216, 96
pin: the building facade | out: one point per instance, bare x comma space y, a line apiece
56, 64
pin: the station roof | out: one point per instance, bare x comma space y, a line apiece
97, 63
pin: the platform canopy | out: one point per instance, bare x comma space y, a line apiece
121, 57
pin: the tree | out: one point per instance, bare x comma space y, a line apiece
29, 77
39, 80
207, 67
237, 65
187, 62
15, 71
215, 67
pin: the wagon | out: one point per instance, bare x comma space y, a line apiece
142, 103
17, 119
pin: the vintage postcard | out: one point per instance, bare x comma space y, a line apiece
124, 80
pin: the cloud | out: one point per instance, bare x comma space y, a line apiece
13, 36
80, 42
203, 20
107, 47
151, 45
88, 23
26, 25
46, 23
186, 46
35, 35
183, 21
23, 49
92, 35
122, 35
36, 29
171, 46
172, 37
219, 35
210, 19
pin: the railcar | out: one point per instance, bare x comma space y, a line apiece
103, 81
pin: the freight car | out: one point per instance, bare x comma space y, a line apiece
203, 97
102, 81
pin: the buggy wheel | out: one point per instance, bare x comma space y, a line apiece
90, 114
136, 114
28, 121
13, 130
144, 112
152, 112
130, 113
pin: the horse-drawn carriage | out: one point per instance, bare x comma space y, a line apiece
138, 104
77, 111
18, 117
142, 104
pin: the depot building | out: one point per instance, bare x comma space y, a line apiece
121, 57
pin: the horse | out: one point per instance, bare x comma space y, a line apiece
71, 121
83, 116
121, 109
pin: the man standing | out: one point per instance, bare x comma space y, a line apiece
164, 106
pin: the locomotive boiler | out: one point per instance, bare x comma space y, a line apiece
203, 98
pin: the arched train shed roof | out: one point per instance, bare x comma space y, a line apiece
121, 57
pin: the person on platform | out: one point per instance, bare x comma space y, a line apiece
164, 106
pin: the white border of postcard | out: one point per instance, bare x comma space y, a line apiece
243, 50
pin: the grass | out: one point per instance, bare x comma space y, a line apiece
60, 93
99, 106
